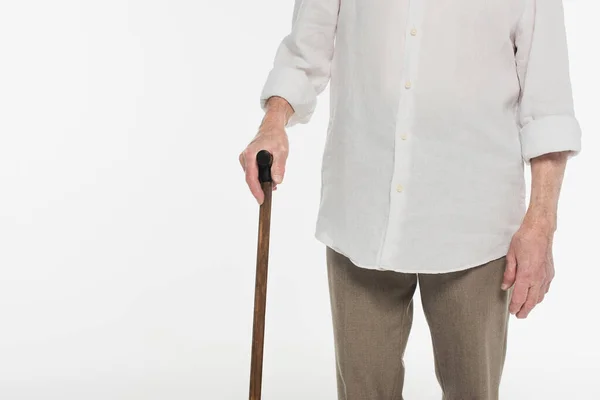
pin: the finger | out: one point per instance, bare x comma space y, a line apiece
241, 160
518, 297
278, 167
541, 296
530, 303
548, 286
252, 176
510, 272
549, 280
543, 291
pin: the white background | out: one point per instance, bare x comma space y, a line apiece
128, 237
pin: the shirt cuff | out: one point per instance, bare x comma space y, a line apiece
549, 134
293, 85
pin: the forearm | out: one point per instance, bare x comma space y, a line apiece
547, 172
277, 113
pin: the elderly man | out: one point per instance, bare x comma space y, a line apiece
436, 107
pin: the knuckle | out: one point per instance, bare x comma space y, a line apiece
528, 308
278, 151
520, 287
527, 276
531, 302
540, 299
519, 296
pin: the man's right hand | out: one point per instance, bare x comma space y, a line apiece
272, 137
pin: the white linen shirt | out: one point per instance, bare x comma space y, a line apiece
435, 109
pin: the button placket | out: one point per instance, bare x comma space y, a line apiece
400, 190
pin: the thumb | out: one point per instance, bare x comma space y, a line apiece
510, 273
278, 169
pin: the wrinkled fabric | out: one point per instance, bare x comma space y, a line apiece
435, 109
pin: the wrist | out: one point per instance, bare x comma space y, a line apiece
277, 112
541, 220
272, 122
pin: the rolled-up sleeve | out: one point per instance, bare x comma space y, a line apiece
301, 69
546, 113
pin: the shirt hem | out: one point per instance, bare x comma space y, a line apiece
463, 267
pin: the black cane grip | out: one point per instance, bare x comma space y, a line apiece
264, 160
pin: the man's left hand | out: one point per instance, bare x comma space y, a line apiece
529, 267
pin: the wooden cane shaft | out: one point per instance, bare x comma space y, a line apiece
260, 293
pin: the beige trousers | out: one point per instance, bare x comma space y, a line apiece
372, 312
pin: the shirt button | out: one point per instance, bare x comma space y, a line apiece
413, 32
407, 85
404, 136
399, 188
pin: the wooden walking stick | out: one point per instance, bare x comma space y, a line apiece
264, 160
